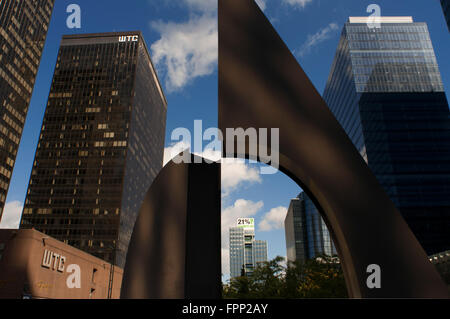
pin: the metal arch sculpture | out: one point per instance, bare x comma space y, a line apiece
261, 85
174, 251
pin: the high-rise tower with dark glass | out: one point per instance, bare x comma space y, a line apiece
23, 30
446, 8
101, 144
307, 236
386, 91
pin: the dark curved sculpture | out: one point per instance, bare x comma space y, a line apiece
174, 251
261, 85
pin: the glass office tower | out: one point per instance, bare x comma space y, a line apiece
446, 8
307, 235
101, 144
23, 30
386, 91
245, 252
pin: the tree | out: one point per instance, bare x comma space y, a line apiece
268, 279
443, 269
238, 288
317, 278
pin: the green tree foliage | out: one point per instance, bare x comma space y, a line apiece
317, 278
443, 269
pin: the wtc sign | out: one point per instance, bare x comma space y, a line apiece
56, 262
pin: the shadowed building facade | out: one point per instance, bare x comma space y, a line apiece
307, 235
101, 144
386, 91
23, 30
446, 8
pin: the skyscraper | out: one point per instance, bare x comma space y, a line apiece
101, 144
23, 30
245, 251
386, 91
307, 235
446, 8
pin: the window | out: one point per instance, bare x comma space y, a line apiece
94, 271
2, 248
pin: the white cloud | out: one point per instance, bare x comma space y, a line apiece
241, 208
298, 3
11, 215
187, 50
274, 219
226, 262
317, 38
235, 172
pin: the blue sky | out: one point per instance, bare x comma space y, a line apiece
182, 37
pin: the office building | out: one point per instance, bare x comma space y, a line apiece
385, 89
101, 144
446, 8
23, 30
307, 235
245, 252
36, 266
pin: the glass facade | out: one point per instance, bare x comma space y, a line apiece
307, 236
446, 8
259, 252
101, 144
386, 91
245, 251
295, 232
236, 251
23, 30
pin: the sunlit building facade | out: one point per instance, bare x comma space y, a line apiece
23, 30
385, 89
245, 252
36, 266
101, 144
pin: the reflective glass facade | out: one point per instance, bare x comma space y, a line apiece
245, 251
23, 30
259, 252
306, 233
386, 91
446, 8
295, 232
101, 144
